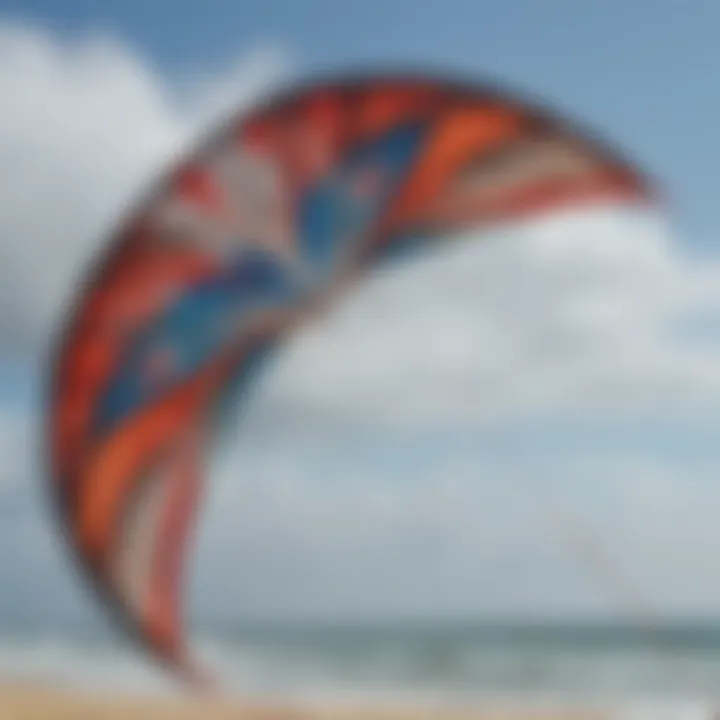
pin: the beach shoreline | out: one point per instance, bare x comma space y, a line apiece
38, 701
32, 700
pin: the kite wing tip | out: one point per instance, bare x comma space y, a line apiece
196, 677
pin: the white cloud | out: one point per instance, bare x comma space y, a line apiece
535, 371
575, 317
371, 473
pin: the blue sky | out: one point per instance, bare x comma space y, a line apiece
640, 71
579, 356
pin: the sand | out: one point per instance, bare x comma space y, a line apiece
35, 702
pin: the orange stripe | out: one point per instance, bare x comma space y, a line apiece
113, 469
458, 136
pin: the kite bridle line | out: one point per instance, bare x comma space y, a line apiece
591, 553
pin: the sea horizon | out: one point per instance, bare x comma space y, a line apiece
443, 659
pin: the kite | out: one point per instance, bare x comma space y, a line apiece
241, 241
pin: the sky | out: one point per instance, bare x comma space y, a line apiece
572, 368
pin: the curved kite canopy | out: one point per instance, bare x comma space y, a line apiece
270, 217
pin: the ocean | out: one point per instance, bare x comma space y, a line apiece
433, 662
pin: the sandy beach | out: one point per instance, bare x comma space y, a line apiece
35, 702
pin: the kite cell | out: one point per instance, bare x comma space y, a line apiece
263, 224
